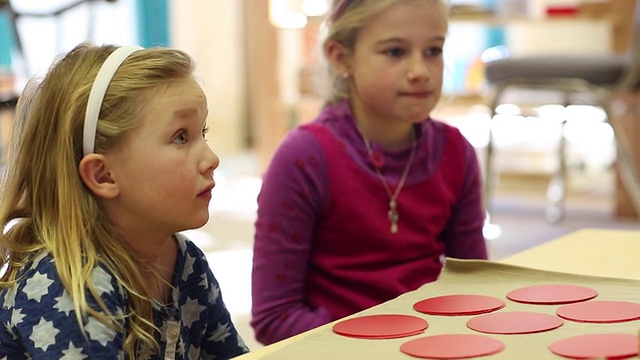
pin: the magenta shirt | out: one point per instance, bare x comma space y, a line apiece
323, 247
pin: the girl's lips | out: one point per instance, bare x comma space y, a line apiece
207, 191
417, 94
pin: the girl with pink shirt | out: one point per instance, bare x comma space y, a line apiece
365, 202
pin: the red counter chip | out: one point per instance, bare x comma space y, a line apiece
461, 304
383, 326
454, 346
597, 346
600, 311
552, 294
514, 322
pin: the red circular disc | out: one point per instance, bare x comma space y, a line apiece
514, 322
597, 346
383, 326
552, 294
454, 346
600, 311
458, 305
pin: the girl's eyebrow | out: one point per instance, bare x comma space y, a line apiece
398, 39
184, 112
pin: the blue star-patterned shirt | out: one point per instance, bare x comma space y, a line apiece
37, 319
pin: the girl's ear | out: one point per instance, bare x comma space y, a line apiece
338, 57
94, 172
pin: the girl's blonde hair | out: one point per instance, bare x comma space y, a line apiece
44, 205
343, 26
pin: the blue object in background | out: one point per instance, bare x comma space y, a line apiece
495, 36
153, 28
153, 22
490, 5
6, 39
464, 47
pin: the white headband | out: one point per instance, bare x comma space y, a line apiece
98, 90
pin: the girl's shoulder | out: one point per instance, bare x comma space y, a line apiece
188, 247
37, 274
190, 257
438, 129
440, 126
39, 279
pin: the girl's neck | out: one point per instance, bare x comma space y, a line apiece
392, 136
160, 260
163, 271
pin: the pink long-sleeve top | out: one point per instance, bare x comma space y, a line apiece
323, 246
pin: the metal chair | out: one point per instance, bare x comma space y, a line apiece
568, 75
7, 7
9, 101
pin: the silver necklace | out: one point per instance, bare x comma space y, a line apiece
393, 213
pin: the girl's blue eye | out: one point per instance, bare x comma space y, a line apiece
205, 130
395, 52
181, 138
435, 51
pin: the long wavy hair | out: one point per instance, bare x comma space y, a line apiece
44, 205
343, 26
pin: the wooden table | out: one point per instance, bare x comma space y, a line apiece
579, 256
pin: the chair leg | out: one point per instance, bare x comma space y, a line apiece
557, 189
489, 176
488, 168
627, 166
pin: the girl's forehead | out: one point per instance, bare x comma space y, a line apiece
175, 88
419, 16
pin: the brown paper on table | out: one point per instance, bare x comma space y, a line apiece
471, 277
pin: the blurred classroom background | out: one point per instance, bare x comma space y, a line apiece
262, 70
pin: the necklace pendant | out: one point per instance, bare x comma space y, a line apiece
377, 159
394, 216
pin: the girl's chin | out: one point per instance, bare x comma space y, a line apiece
198, 222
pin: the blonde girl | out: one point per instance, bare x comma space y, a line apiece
107, 164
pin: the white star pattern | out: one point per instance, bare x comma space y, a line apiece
100, 276
17, 316
10, 297
73, 353
194, 352
221, 332
37, 286
64, 303
188, 267
44, 334
214, 294
97, 331
39, 258
191, 312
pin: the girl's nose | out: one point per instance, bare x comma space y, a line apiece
418, 69
210, 160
